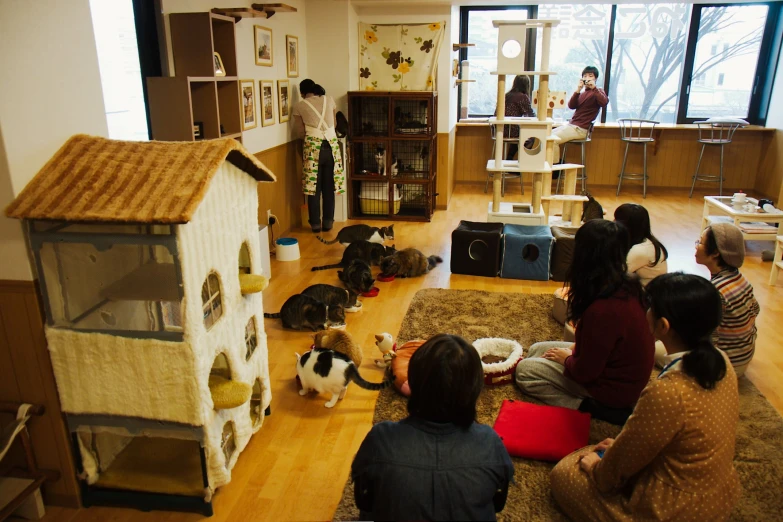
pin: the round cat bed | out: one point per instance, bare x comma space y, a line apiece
510, 353
372, 293
227, 394
384, 279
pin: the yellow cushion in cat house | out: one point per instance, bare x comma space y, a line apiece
374, 198
252, 283
227, 394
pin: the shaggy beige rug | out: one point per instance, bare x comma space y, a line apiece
526, 318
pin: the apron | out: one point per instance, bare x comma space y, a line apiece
313, 140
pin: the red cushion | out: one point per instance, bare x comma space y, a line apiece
540, 432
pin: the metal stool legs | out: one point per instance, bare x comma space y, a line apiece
643, 176
708, 177
698, 164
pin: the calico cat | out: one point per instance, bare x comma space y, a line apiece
301, 312
329, 371
333, 296
339, 341
357, 277
408, 262
591, 209
370, 252
352, 233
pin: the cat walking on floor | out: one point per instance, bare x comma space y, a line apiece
349, 234
329, 371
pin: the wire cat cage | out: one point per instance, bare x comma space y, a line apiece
370, 158
369, 117
410, 159
412, 117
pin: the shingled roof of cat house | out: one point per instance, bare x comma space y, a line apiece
93, 179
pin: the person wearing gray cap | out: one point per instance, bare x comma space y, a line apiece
721, 249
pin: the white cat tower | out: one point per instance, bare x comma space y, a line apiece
538, 160
148, 255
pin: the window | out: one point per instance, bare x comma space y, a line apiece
649, 45
251, 338
741, 28
714, 49
210, 297
477, 29
244, 259
256, 403
227, 441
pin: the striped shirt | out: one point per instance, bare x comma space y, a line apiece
736, 334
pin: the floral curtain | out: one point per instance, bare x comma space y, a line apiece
399, 57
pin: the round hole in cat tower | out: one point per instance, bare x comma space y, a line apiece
534, 148
511, 48
255, 403
478, 250
530, 253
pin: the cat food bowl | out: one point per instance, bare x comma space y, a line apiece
385, 279
355, 308
335, 326
499, 358
372, 293
287, 249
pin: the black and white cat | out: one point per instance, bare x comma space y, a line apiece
349, 234
328, 371
370, 252
380, 160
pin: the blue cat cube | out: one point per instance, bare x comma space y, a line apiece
527, 250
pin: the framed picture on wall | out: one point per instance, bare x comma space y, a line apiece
292, 55
263, 45
267, 102
283, 102
249, 117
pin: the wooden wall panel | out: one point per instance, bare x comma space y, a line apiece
285, 196
446, 174
670, 162
26, 374
769, 181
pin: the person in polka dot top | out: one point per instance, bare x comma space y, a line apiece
673, 460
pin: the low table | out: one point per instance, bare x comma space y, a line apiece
718, 206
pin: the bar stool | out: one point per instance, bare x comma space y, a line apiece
715, 131
633, 130
506, 175
583, 175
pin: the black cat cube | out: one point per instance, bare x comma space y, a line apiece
475, 248
562, 252
526, 252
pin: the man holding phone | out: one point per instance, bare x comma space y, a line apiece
587, 101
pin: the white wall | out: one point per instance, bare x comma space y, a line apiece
51, 89
281, 24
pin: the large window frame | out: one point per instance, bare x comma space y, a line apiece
766, 65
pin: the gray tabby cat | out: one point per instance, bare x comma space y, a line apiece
334, 296
357, 277
349, 234
408, 262
301, 312
591, 209
372, 253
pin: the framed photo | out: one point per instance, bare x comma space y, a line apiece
284, 100
263, 45
249, 117
267, 102
292, 55
220, 70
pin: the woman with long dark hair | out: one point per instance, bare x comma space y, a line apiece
647, 257
438, 463
517, 104
608, 365
673, 460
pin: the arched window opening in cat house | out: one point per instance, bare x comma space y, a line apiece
251, 338
221, 368
245, 265
256, 405
249, 283
212, 303
228, 442
226, 392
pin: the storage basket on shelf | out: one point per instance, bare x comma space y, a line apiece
374, 198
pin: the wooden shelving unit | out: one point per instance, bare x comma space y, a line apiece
254, 11
393, 154
195, 94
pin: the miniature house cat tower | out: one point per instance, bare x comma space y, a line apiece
539, 159
147, 255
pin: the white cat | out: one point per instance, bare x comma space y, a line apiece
380, 160
329, 371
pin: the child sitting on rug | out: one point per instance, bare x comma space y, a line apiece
609, 364
438, 463
647, 257
673, 459
722, 250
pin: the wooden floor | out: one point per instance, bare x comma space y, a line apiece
295, 467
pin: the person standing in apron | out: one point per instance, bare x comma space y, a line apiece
322, 166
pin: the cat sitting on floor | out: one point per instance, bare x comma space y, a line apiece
302, 312
591, 209
349, 234
408, 262
329, 371
339, 341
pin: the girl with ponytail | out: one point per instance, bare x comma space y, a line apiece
674, 456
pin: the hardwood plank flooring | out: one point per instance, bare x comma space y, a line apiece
294, 468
